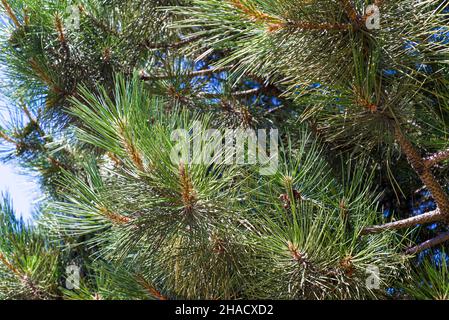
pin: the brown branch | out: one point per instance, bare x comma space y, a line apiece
275, 23
114, 217
428, 217
11, 14
351, 11
61, 36
150, 288
9, 265
424, 173
33, 120
187, 190
253, 14
236, 94
25, 279
45, 78
130, 147
443, 237
436, 158
7, 138
60, 29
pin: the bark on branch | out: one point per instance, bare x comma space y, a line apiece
428, 217
11, 14
443, 237
424, 172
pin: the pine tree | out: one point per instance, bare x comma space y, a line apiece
99, 87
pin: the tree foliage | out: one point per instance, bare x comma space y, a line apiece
97, 89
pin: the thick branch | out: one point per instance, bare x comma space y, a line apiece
436, 158
405, 223
426, 176
443, 237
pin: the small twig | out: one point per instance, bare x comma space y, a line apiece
443, 237
61, 36
11, 14
7, 264
150, 288
243, 93
33, 120
7, 138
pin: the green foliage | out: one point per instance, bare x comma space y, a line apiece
28, 264
225, 229
96, 105
430, 281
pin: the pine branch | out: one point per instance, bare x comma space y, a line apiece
97, 23
187, 190
426, 176
24, 279
253, 14
115, 218
7, 138
243, 93
130, 148
441, 238
45, 78
9, 265
11, 14
428, 217
351, 11
150, 288
61, 36
33, 120
275, 23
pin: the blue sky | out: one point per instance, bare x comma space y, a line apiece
23, 188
